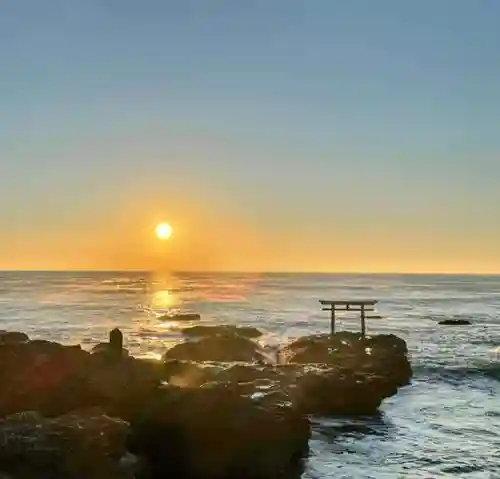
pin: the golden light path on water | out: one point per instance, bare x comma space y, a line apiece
166, 294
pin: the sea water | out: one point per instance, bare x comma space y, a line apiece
446, 424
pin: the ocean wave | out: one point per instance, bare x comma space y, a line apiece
454, 373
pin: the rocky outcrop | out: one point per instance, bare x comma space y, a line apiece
86, 444
212, 429
353, 374
215, 408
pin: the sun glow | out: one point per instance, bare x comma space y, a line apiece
163, 231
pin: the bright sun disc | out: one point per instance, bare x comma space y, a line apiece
163, 231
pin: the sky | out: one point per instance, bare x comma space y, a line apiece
273, 135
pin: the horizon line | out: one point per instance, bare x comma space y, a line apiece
276, 272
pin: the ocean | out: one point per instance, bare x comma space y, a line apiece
446, 424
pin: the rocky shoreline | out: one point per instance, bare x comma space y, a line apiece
218, 406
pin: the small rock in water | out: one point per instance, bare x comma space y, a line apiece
456, 322
180, 317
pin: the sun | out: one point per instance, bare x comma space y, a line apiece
163, 231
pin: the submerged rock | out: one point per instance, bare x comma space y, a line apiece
214, 432
224, 348
86, 444
223, 330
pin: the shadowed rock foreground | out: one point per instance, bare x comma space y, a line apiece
217, 407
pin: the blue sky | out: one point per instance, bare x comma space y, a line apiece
268, 116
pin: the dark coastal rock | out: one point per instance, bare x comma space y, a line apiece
85, 444
180, 317
54, 379
122, 385
217, 348
353, 375
223, 330
42, 376
213, 409
455, 322
332, 392
214, 432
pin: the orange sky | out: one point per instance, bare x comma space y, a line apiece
210, 235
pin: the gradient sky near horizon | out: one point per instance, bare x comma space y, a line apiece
274, 135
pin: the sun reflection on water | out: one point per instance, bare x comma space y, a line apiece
164, 299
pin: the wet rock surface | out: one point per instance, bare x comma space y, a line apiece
222, 348
216, 407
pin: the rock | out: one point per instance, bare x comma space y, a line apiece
384, 355
114, 347
455, 322
121, 385
352, 374
107, 349
13, 337
55, 379
42, 376
331, 392
217, 348
214, 432
223, 330
180, 317
86, 444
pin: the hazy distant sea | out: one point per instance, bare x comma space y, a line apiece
446, 424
